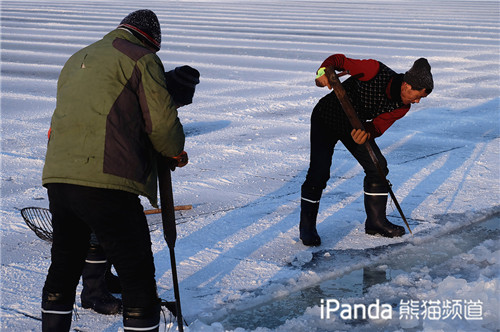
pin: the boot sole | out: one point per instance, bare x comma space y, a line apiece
87, 305
372, 232
313, 243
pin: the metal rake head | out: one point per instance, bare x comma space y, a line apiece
39, 220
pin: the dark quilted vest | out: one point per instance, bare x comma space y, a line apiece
369, 99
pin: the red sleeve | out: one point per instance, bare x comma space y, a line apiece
382, 122
369, 68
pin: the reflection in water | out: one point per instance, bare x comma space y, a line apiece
373, 276
355, 284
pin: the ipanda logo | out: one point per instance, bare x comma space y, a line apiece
355, 311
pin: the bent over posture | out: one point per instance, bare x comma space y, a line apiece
380, 96
113, 115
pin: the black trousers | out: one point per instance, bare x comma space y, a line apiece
118, 221
323, 138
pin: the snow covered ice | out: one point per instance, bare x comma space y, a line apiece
241, 265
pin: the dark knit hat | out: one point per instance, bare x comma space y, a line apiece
181, 83
419, 76
144, 24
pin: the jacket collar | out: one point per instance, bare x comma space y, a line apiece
393, 90
124, 34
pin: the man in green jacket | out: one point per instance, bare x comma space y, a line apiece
113, 115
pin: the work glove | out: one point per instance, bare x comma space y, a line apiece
323, 76
180, 160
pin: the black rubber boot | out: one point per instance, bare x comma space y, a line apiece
95, 294
142, 319
112, 281
57, 311
307, 227
375, 206
309, 206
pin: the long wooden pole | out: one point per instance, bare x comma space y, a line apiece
169, 227
176, 208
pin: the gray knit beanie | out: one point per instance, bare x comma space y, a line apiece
419, 76
144, 24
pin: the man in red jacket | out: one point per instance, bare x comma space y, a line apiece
380, 96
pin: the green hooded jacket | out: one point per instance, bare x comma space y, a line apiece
113, 114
